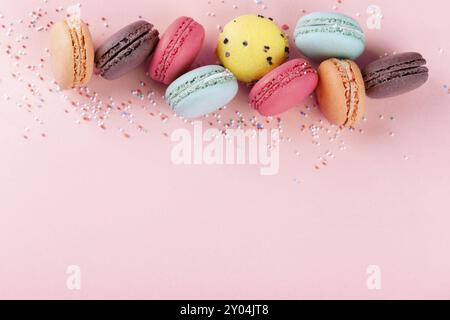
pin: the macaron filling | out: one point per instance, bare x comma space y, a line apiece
125, 47
206, 80
351, 90
79, 51
330, 25
174, 45
282, 80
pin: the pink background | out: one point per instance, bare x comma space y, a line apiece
112, 202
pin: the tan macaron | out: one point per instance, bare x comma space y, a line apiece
72, 53
341, 93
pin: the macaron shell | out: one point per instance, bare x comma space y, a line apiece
251, 46
62, 53
63, 60
207, 100
184, 53
331, 94
321, 45
287, 93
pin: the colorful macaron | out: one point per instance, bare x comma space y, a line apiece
72, 53
177, 50
341, 92
394, 75
126, 50
324, 35
202, 91
251, 46
284, 88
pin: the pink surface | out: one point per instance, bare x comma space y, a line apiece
177, 51
284, 88
93, 186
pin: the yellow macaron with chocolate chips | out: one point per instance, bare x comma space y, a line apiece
251, 46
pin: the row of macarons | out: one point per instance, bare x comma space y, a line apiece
252, 49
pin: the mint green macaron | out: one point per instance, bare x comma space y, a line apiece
202, 91
324, 35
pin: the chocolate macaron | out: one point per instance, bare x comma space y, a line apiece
394, 75
341, 92
126, 50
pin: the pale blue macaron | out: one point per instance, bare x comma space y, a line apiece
202, 91
324, 35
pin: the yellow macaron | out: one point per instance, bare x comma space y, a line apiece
251, 46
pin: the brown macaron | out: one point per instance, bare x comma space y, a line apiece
341, 92
72, 52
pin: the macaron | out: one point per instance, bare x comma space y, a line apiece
177, 50
251, 46
341, 93
284, 88
394, 75
72, 53
202, 91
323, 35
126, 50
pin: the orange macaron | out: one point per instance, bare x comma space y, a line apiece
72, 51
341, 92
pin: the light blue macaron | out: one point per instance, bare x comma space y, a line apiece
324, 35
202, 91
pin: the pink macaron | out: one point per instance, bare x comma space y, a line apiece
177, 50
284, 88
